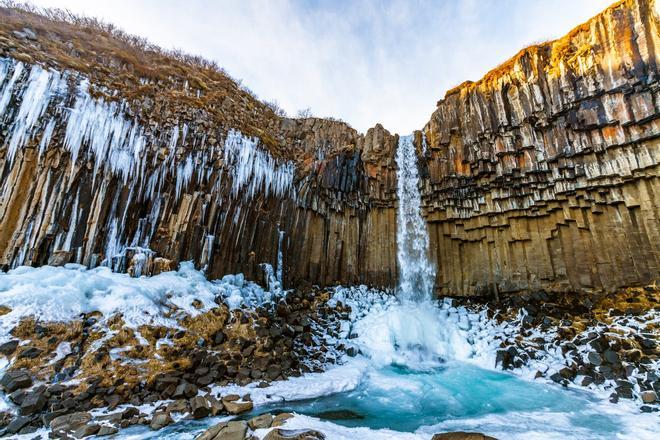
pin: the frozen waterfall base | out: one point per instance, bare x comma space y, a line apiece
97, 372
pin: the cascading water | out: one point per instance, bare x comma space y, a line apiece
416, 272
413, 331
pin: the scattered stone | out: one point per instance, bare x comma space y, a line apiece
648, 396
9, 347
595, 358
294, 434
107, 430
459, 435
199, 407
30, 353
32, 403
15, 379
86, 430
234, 430
160, 420
281, 418
69, 422
261, 422
611, 356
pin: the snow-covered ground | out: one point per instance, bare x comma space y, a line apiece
423, 367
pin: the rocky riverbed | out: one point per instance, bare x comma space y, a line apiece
55, 369
96, 374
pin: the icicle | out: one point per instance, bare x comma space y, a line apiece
41, 85
183, 175
115, 142
46, 136
7, 90
253, 169
280, 259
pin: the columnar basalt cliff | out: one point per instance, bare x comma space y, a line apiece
542, 175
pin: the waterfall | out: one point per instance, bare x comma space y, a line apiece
416, 272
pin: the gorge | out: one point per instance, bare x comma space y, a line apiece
176, 250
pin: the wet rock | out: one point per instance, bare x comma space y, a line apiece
342, 414
294, 434
648, 396
459, 435
234, 405
611, 356
17, 424
15, 379
160, 420
86, 430
185, 389
234, 430
9, 347
106, 430
178, 406
595, 358
261, 422
32, 403
69, 422
199, 407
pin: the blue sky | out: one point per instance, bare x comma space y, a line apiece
361, 61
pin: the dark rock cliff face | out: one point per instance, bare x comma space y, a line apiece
544, 174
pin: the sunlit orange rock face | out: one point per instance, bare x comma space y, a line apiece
541, 175
544, 173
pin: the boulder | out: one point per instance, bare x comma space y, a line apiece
17, 424
261, 422
648, 396
107, 430
294, 434
234, 430
185, 389
178, 406
70, 420
33, 403
9, 347
234, 405
14, 380
281, 418
460, 435
86, 430
200, 407
160, 420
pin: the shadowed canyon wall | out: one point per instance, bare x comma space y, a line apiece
544, 174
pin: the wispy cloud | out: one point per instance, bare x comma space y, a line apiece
361, 61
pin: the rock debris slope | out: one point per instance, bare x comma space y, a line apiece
541, 175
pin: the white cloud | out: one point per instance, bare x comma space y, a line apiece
362, 61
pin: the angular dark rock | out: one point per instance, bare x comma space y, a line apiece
15, 379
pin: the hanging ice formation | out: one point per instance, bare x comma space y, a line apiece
38, 104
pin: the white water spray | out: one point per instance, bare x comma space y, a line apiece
412, 331
416, 272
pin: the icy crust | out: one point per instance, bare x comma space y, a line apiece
61, 294
425, 335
